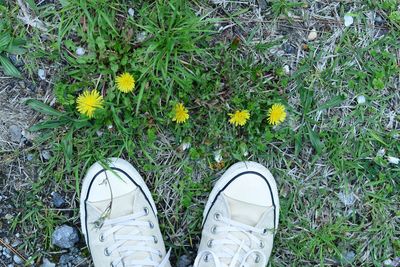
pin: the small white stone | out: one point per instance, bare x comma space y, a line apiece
141, 36
99, 133
131, 12
393, 160
185, 146
80, 51
348, 199
388, 262
42, 74
348, 20
312, 35
381, 152
110, 126
361, 99
218, 156
46, 154
286, 69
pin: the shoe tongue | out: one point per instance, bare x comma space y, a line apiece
119, 206
243, 212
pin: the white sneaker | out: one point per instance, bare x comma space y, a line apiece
119, 218
240, 218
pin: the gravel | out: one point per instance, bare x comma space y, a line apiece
80, 51
184, 261
73, 258
47, 263
348, 199
42, 74
46, 154
65, 236
58, 200
15, 133
18, 260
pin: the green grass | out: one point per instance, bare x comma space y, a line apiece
328, 144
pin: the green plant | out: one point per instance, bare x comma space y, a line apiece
283, 7
8, 44
175, 38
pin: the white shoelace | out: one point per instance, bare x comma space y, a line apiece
236, 257
142, 244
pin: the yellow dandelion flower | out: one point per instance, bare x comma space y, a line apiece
240, 117
88, 102
125, 82
276, 114
181, 114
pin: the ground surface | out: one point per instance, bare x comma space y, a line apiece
339, 187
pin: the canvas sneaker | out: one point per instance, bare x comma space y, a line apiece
119, 218
240, 218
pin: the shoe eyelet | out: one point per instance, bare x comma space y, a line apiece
155, 239
265, 230
217, 216
151, 225
146, 211
106, 252
209, 243
160, 254
205, 258
261, 244
257, 259
214, 229
101, 238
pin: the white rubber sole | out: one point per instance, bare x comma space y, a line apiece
116, 164
236, 169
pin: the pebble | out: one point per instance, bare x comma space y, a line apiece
22, 84
387, 262
348, 20
289, 48
347, 199
71, 259
47, 263
184, 261
348, 257
80, 51
393, 160
218, 156
16, 243
361, 99
131, 12
29, 157
6, 253
379, 20
381, 152
18, 260
58, 200
141, 36
185, 146
286, 69
42, 74
46, 154
16, 61
15, 133
65, 236
312, 35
